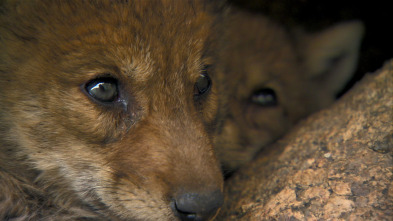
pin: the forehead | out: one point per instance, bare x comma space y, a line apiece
264, 56
168, 33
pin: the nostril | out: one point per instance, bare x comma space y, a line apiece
184, 216
197, 206
184, 210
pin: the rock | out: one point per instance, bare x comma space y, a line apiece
336, 164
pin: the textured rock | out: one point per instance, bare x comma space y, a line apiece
337, 164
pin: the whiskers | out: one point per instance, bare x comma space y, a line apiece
125, 197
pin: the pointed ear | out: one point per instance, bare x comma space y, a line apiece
331, 55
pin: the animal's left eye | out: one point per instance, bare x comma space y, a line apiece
103, 89
203, 84
265, 97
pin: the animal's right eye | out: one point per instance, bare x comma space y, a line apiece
265, 97
103, 89
203, 83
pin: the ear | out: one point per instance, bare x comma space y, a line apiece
331, 55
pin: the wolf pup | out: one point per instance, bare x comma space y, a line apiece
107, 111
275, 76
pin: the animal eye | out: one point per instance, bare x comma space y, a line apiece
265, 97
203, 84
103, 89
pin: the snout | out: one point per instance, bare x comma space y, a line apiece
197, 206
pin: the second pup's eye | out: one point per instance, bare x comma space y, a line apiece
265, 97
203, 84
103, 89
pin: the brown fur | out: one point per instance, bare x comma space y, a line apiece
306, 71
64, 156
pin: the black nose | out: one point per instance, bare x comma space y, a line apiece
197, 206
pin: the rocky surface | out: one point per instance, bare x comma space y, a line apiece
337, 164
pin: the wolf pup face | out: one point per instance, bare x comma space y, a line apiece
107, 111
276, 76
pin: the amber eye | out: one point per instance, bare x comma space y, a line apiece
103, 89
265, 97
203, 84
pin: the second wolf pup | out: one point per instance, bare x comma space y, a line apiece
275, 76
